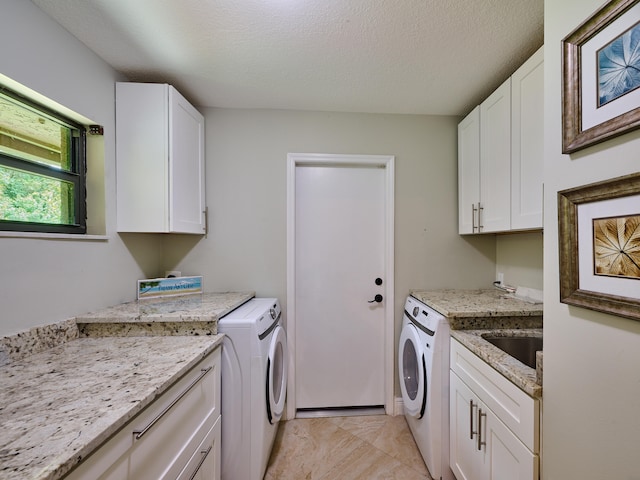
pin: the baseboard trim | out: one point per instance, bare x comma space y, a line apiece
339, 412
398, 406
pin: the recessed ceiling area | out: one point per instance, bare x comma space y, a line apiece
376, 56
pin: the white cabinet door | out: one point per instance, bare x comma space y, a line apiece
466, 461
527, 143
481, 446
469, 172
110, 462
205, 462
495, 160
169, 437
142, 158
186, 166
167, 433
160, 160
506, 457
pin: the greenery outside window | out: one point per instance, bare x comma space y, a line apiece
42, 168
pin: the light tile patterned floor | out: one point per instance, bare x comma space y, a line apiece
346, 448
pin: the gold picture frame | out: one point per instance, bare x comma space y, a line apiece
586, 119
580, 210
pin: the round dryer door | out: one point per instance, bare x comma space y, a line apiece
412, 371
277, 370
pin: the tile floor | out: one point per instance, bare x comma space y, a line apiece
346, 448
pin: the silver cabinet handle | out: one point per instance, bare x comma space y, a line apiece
471, 407
480, 209
473, 217
480, 442
140, 433
204, 454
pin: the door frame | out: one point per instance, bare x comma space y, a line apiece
386, 162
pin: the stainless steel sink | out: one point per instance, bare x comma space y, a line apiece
521, 348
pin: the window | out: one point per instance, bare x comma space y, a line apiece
42, 168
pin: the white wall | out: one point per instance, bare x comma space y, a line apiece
48, 280
246, 194
246, 191
591, 385
43, 281
519, 257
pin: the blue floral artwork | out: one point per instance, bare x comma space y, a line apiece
619, 66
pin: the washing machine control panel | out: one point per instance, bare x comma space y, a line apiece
422, 315
269, 315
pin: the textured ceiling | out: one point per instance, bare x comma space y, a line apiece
382, 56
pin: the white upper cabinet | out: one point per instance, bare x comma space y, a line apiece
527, 143
469, 171
495, 160
484, 155
500, 160
160, 160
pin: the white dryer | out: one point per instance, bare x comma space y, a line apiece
423, 366
254, 379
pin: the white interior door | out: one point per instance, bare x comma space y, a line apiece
340, 235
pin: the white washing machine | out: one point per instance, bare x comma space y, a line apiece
254, 380
423, 365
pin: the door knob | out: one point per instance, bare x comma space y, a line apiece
377, 298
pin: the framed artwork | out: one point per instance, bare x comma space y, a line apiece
601, 76
599, 240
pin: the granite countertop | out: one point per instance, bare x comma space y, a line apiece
58, 406
472, 313
517, 372
180, 315
486, 308
67, 387
477, 303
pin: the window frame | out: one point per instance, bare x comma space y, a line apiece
77, 174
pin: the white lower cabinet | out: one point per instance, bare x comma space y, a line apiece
482, 446
204, 464
176, 437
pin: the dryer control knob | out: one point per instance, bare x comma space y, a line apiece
272, 312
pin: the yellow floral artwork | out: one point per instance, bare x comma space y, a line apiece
617, 246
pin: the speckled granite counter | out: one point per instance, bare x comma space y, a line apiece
472, 313
489, 308
58, 406
183, 315
517, 372
67, 387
